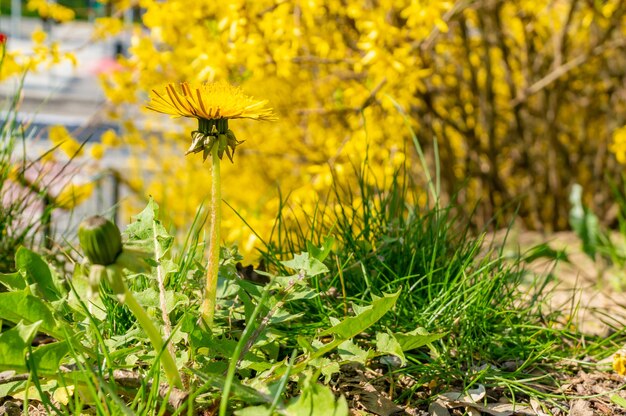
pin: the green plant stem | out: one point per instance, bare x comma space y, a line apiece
239, 349
169, 365
208, 304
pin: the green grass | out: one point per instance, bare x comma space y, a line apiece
490, 308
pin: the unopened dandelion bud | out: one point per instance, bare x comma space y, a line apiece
100, 240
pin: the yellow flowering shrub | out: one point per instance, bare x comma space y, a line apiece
73, 195
64, 141
51, 10
44, 54
521, 98
618, 147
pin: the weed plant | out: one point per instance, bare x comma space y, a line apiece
25, 205
492, 316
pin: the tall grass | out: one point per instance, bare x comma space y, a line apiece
26, 206
386, 240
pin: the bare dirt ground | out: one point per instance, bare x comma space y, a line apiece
593, 292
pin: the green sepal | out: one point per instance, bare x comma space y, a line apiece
100, 240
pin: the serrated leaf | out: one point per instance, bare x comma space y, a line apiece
320, 253
13, 344
326, 366
36, 270
12, 281
146, 228
150, 298
46, 358
416, 338
349, 351
317, 400
354, 325
311, 266
387, 344
22, 306
81, 288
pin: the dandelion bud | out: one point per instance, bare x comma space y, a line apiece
100, 240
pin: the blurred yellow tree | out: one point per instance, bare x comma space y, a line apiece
521, 96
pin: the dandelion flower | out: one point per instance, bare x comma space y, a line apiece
209, 101
212, 104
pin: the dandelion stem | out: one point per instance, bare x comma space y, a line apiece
167, 361
167, 325
208, 305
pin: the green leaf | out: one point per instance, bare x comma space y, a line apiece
12, 281
320, 253
584, 223
22, 306
349, 351
13, 344
416, 338
311, 266
387, 344
618, 400
150, 298
327, 367
317, 400
254, 411
544, 250
46, 358
146, 228
354, 325
36, 270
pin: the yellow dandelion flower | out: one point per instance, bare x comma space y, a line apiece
212, 104
209, 101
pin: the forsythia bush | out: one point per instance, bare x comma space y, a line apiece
522, 98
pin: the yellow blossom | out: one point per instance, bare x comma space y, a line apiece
38, 36
97, 151
61, 138
73, 195
106, 26
110, 138
209, 101
619, 363
51, 10
618, 147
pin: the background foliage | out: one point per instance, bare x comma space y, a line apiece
521, 97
